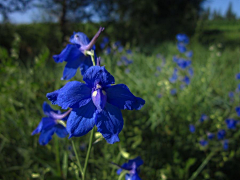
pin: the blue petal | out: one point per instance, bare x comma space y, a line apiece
137, 160
74, 95
119, 171
97, 74
71, 68
135, 177
70, 52
110, 123
38, 129
61, 131
45, 124
47, 109
46, 136
86, 63
119, 95
81, 120
79, 38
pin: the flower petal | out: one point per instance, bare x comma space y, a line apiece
61, 131
71, 68
46, 136
135, 177
137, 160
97, 74
45, 124
110, 123
79, 38
119, 95
47, 109
81, 120
74, 95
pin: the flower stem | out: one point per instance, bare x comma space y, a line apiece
88, 154
78, 162
57, 158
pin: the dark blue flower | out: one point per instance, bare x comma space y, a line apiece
189, 54
231, 123
190, 71
128, 51
238, 76
192, 128
203, 118
181, 47
182, 38
186, 80
51, 124
183, 64
203, 142
173, 91
132, 166
238, 110
231, 94
221, 134
174, 76
73, 54
105, 40
96, 103
210, 135
225, 144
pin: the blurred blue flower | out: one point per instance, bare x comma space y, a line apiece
182, 63
128, 51
132, 166
159, 68
203, 142
97, 102
175, 59
73, 54
174, 77
159, 95
203, 118
238, 76
120, 48
210, 135
105, 40
231, 94
190, 71
186, 80
225, 144
238, 110
108, 50
182, 38
189, 54
181, 47
173, 91
51, 124
221, 134
231, 123
192, 128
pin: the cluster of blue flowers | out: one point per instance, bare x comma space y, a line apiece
98, 101
184, 68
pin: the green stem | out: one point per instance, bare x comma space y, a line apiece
88, 154
204, 163
92, 58
57, 158
78, 162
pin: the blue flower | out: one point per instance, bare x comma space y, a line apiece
73, 54
210, 135
192, 128
96, 103
173, 91
182, 63
175, 59
108, 50
189, 54
174, 77
128, 51
203, 142
221, 134
231, 123
238, 76
203, 118
181, 47
105, 40
225, 144
238, 110
186, 79
190, 71
132, 166
51, 124
182, 38
231, 94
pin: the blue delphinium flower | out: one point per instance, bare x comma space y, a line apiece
186, 80
192, 128
50, 125
175, 59
132, 166
231, 94
203, 142
189, 54
173, 91
182, 38
203, 118
174, 77
190, 71
97, 102
238, 110
108, 50
73, 54
238, 76
210, 135
221, 134
183, 64
225, 144
231, 123
181, 47
128, 51
105, 40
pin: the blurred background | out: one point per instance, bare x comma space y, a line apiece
191, 88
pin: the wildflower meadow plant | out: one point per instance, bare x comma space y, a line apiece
97, 102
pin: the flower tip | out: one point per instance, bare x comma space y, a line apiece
113, 139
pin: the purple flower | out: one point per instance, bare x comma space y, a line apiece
203, 142
97, 102
231, 123
132, 166
221, 134
192, 128
73, 54
51, 124
210, 135
203, 118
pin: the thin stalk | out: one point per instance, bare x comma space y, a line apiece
204, 163
76, 154
57, 158
88, 154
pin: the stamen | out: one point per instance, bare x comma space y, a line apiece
60, 116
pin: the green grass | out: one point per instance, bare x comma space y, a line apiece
158, 132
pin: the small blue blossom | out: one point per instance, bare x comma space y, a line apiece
173, 91
225, 144
189, 54
73, 54
231, 123
183, 64
238, 76
210, 135
132, 166
182, 38
190, 71
238, 110
105, 40
192, 128
159, 95
120, 48
186, 80
181, 47
175, 59
203, 118
128, 51
50, 125
231, 94
174, 77
203, 142
97, 102
108, 50
221, 134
